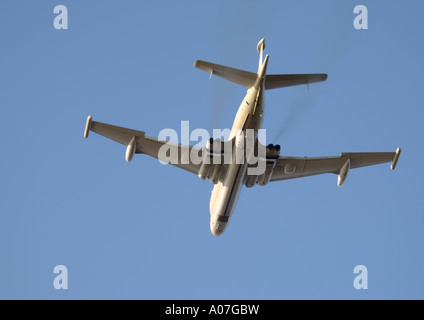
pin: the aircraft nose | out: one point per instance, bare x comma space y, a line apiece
217, 232
217, 228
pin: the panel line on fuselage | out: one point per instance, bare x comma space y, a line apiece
231, 192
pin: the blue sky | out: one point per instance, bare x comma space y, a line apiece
141, 230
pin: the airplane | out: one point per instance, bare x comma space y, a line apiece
228, 178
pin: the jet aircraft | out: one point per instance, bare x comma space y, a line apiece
228, 177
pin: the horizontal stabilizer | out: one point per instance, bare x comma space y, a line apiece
287, 80
241, 77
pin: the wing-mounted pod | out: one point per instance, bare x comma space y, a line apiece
251, 181
344, 171
272, 151
216, 173
206, 166
269, 169
272, 154
211, 167
132, 146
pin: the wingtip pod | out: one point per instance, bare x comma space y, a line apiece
396, 158
88, 126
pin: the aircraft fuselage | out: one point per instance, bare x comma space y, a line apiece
226, 192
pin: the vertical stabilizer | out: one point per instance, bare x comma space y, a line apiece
261, 47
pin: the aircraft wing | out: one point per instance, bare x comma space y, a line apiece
292, 167
138, 142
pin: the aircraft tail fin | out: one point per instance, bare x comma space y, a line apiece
261, 47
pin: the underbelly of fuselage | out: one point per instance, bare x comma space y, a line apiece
224, 198
226, 192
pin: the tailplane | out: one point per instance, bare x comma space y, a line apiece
274, 81
247, 79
